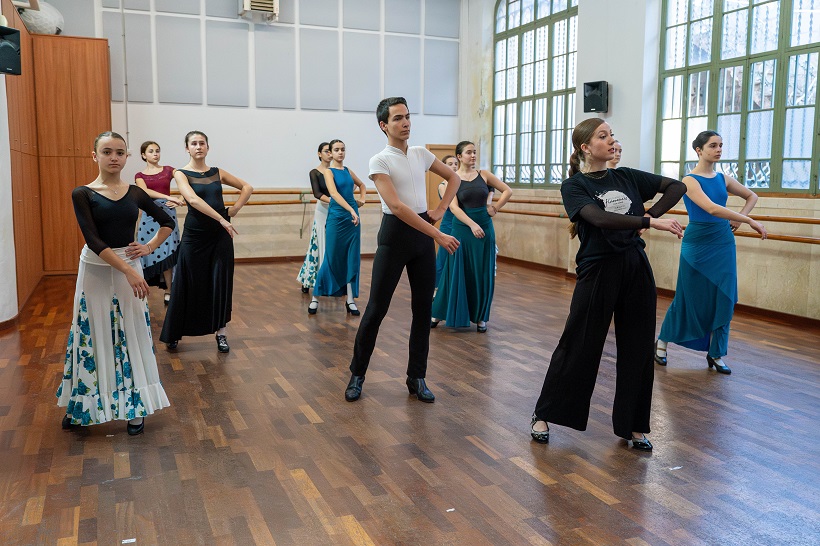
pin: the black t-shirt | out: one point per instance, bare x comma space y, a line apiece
622, 191
107, 223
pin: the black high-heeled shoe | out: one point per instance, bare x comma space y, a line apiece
661, 360
417, 386
354, 388
222, 344
352, 309
719, 368
642, 443
540, 436
133, 430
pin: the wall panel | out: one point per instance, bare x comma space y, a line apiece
402, 16
442, 18
361, 71
323, 13
60, 235
319, 87
227, 63
78, 16
179, 60
440, 88
402, 69
362, 14
89, 92
53, 73
275, 66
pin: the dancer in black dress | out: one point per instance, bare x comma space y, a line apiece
203, 284
614, 277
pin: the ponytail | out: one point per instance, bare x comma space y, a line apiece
575, 162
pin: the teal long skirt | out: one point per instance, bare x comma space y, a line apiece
467, 283
342, 253
706, 291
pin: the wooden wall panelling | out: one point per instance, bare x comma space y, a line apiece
90, 92
27, 231
60, 234
433, 180
52, 83
27, 108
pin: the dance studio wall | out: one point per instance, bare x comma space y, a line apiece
8, 273
267, 95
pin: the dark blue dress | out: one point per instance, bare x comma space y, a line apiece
342, 243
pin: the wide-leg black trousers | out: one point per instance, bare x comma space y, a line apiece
399, 246
621, 285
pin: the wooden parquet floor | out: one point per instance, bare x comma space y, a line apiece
259, 446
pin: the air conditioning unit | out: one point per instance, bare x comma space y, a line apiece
267, 9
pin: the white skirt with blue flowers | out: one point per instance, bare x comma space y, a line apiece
110, 367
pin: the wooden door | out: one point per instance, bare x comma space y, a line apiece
61, 239
28, 243
90, 92
433, 180
53, 95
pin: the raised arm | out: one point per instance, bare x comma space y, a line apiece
362, 188
494, 182
245, 191
736, 188
387, 191
453, 182
172, 201
145, 203
672, 191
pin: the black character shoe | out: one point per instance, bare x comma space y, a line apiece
67, 424
540, 436
434, 322
173, 345
719, 368
352, 309
167, 298
222, 343
354, 388
417, 386
642, 443
313, 307
133, 430
305, 289
658, 358
481, 327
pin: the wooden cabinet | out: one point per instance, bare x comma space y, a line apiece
28, 241
73, 98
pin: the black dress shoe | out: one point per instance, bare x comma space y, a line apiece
133, 430
481, 329
719, 368
167, 298
354, 388
173, 345
67, 424
352, 309
540, 436
305, 289
222, 344
313, 308
642, 443
417, 386
659, 359
434, 323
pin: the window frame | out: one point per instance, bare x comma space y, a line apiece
782, 54
550, 148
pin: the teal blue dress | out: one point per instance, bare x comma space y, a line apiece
467, 283
706, 291
342, 243
445, 227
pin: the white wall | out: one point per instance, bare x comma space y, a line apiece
8, 271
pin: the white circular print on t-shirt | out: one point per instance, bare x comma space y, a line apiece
615, 201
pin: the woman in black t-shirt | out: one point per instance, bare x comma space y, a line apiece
110, 370
614, 277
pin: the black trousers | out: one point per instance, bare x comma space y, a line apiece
622, 285
400, 246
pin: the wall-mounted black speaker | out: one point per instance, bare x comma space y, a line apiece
596, 96
9, 50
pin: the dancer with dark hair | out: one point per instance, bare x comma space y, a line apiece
156, 181
339, 272
446, 221
316, 248
405, 241
110, 370
616, 159
465, 290
706, 291
201, 299
614, 278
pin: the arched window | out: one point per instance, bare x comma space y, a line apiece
747, 69
534, 90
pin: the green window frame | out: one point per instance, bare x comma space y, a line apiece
747, 69
534, 79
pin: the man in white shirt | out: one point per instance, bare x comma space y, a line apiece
406, 240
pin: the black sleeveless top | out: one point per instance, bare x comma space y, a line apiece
473, 194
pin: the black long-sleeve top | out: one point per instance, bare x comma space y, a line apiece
607, 207
318, 185
107, 223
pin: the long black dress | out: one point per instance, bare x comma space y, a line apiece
203, 284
